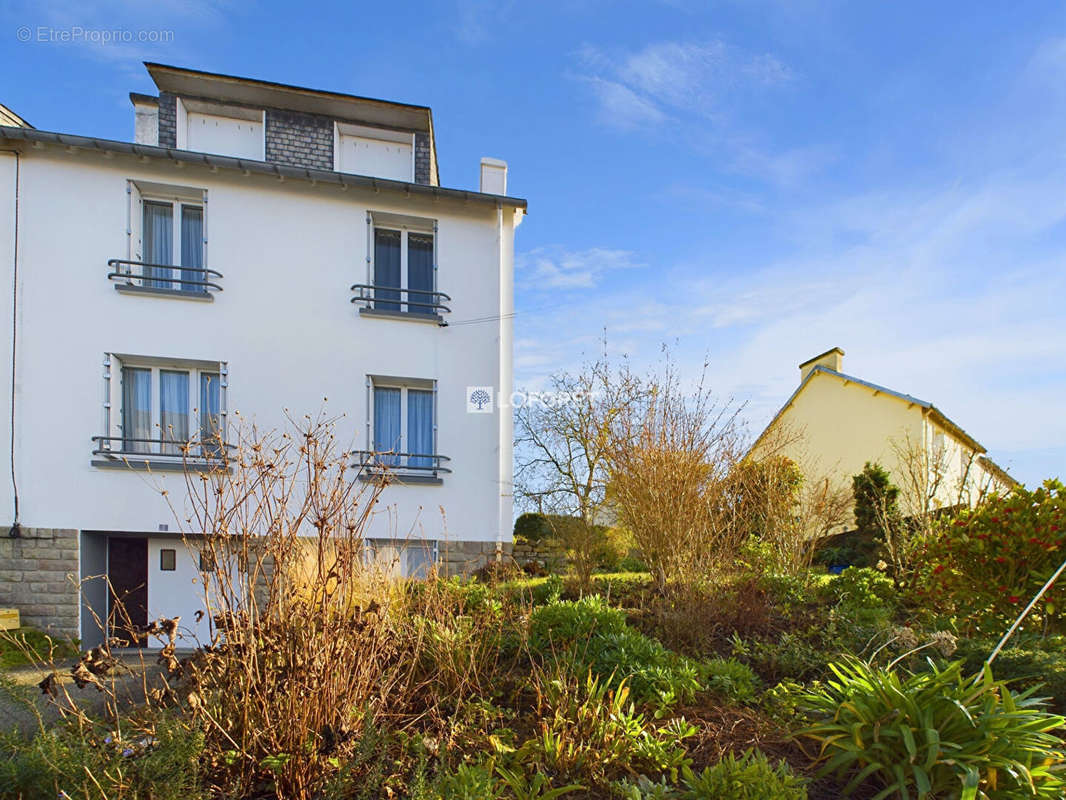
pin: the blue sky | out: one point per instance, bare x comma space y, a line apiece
751, 182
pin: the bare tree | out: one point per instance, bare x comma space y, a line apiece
669, 467
562, 440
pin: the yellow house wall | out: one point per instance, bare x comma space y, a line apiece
833, 427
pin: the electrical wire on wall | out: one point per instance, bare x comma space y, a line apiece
15, 529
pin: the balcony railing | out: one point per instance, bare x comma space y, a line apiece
397, 301
371, 463
162, 278
162, 451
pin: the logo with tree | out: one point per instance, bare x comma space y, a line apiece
479, 399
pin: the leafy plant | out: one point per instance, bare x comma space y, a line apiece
643, 788
731, 679
1032, 663
989, 561
469, 782
539, 787
591, 730
596, 637
159, 761
935, 733
862, 587
750, 777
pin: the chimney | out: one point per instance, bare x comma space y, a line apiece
830, 359
493, 176
145, 118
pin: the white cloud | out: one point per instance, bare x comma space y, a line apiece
692, 94
475, 20
687, 77
622, 107
552, 268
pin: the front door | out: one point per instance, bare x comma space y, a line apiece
127, 571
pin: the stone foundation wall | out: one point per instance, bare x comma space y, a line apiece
464, 558
545, 552
38, 576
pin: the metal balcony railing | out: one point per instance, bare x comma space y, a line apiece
393, 298
371, 462
120, 448
163, 277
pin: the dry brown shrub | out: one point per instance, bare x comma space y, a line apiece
669, 464
313, 641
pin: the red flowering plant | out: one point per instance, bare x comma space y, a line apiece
987, 563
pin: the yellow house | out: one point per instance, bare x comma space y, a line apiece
834, 423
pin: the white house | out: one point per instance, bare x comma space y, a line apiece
257, 247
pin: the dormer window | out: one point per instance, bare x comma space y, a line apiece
221, 129
377, 152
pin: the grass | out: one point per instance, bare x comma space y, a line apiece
15, 644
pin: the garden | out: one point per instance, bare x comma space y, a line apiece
695, 643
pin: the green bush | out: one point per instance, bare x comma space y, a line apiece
861, 587
793, 654
591, 731
532, 527
750, 777
469, 782
565, 622
96, 764
990, 561
28, 646
1038, 664
935, 733
596, 637
731, 679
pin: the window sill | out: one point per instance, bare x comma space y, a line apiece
181, 294
409, 316
155, 464
402, 479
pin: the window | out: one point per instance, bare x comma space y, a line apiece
404, 425
403, 276
173, 235
163, 406
168, 560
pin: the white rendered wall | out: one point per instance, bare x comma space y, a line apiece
284, 324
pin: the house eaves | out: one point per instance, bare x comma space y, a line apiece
928, 408
40, 138
267, 94
997, 470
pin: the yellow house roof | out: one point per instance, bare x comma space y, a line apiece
935, 413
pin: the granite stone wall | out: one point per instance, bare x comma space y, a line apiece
38, 576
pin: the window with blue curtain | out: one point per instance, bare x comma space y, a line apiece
387, 269
136, 409
210, 414
387, 423
420, 427
420, 273
158, 232
192, 248
173, 410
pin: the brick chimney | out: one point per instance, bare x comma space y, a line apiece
830, 359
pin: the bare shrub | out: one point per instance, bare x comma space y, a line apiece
669, 467
313, 641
